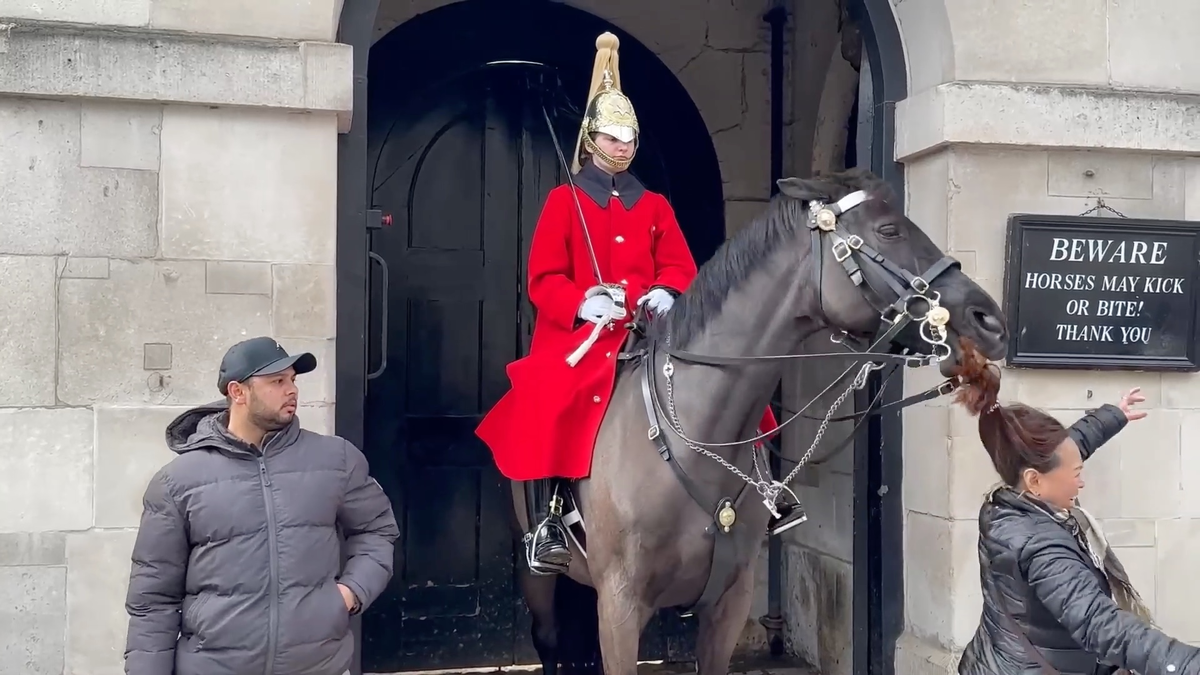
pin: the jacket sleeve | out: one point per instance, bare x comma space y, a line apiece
366, 518
156, 583
674, 267
1067, 587
552, 288
1096, 428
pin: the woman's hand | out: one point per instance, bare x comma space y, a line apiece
1130, 399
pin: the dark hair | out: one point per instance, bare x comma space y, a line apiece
1016, 437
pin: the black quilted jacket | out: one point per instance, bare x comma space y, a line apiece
1034, 568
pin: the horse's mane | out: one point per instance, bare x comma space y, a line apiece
746, 251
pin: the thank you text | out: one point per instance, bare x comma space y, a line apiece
1101, 294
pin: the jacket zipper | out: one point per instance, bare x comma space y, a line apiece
273, 551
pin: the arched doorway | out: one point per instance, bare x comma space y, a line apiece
460, 157
878, 609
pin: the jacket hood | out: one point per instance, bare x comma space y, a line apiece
207, 428
202, 427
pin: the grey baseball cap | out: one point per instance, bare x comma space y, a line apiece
260, 356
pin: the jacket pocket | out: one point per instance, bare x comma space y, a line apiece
342, 618
191, 617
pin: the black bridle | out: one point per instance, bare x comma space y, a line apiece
911, 291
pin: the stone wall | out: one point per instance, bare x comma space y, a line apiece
1024, 108
170, 189
141, 236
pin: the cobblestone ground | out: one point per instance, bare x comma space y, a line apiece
763, 667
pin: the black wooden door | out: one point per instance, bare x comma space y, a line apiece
463, 168
449, 174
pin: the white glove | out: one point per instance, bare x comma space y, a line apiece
596, 309
658, 300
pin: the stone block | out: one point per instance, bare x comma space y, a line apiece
716, 81
929, 575
1079, 390
1045, 116
735, 24
317, 386
317, 418
1102, 475
1192, 188
1059, 42
740, 213
130, 448
105, 12
27, 331
328, 76
967, 603
927, 460
971, 472
249, 185
745, 163
1151, 42
1084, 173
674, 36
830, 508
1141, 563
1128, 533
33, 618
921, 655
55, 207
97, 580
1175, 579
818, 606
942, 594
18, 549
83, 268
931, 57
305, 297
1151, 480
237, 278
119, 135
49, 60
281, 19
46, 462
156, 356
105, 323
1189, 463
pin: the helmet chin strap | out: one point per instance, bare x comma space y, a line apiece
607, 159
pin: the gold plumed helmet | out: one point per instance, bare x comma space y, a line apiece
609, 111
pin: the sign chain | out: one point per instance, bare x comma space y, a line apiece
1101, 205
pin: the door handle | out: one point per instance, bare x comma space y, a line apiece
383, 315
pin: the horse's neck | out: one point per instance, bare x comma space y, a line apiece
719, 404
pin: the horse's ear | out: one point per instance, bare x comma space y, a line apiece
804, 190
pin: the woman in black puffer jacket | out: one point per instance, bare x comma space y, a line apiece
1055, 598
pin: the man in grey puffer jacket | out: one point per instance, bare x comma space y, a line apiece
237, 566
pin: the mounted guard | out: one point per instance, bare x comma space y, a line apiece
601, 239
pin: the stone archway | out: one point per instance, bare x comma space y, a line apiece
744, 190
458, 154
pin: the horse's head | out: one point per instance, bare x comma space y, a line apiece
872, 262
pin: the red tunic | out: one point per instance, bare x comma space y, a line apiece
546, 425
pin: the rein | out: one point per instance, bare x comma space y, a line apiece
852, 253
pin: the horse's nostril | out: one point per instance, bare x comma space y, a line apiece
987, 322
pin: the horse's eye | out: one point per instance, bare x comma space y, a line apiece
889, 231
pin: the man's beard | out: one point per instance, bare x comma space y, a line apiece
270, 420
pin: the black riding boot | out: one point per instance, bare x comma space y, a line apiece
546, 542
791, 514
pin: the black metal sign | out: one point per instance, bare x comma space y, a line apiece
1102, 293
